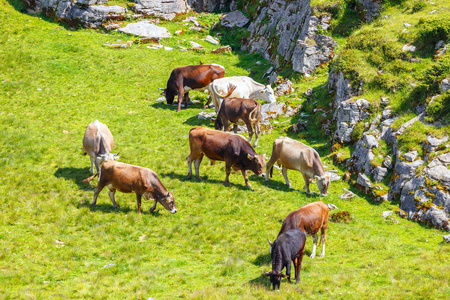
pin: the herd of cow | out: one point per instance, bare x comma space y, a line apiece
233, 100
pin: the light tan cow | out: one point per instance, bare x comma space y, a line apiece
98, 143
127, 179
294, 155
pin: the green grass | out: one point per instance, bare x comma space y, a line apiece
53, 245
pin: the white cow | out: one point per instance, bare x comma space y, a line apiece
98, 143
246, 88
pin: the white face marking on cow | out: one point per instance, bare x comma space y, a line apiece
218, 66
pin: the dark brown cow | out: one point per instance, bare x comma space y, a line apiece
192, 77
127, 179
235, 150
310, 218
236, 109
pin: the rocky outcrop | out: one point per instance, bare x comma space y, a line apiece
348, 114
211, 5
146, 29
234, 19
341, 87
285, 33
166, 9
77, 13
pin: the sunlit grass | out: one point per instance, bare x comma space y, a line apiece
53, 82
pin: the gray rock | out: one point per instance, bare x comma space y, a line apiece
386, 113
437, 217
404, 172
94, 16
387, 213
379, 173
195, 45
284, 88
445, 85
312, 52
348, 114
409, 48
384, 101
370, 141
410, 156
445, 158
211, 5
166, 9
439, 45
387, 162
234, 19
440, 173
212, 40
410, 193
364, 183
370, 9
442, 198
145, 29
273, 77
447, 238
272, 110
340, 86
91, 2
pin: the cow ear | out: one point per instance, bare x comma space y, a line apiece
317, 177
283, 275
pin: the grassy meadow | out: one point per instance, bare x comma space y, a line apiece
54, 245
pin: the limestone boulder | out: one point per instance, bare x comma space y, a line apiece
369, 9
146, 29
166, 9
348, 114
234, 19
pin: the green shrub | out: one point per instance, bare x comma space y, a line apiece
357, 131
418, 6
432, 29
438, 109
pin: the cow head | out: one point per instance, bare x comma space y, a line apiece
257, 164
168, 94
267, 94
275, 279
168, 201
323, 182
101, 158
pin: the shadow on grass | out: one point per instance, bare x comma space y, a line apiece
183, 178
76, 175
109, 208
195, 121
262, 281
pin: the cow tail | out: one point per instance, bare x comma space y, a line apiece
87, 180
255, 113
271, 171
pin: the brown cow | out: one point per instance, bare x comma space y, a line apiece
294, 155
192, 77
310, 218
235, 150
237, 109
127, 179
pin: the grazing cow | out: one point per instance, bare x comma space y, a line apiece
235, 150
192, 77
127, 179
98, 143
310, 218
246, 88
238, 109
294, 155
289, 246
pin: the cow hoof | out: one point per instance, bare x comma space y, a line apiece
226, 184
249, 185
189, 176
312, 256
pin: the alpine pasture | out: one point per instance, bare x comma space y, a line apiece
54, 245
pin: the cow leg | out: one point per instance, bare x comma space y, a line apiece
208, 102
298, 267
112, 193
186, 99
247, 183
189, 162
306, 178
92, 165
227, 172
97, 190
250, 131
138, 201
153, 207
235, 128
197, 163
288, 272
323, 237
313, 253
257, 131
180, 97
284, 171
269, 166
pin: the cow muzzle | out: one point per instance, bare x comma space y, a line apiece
262, 175
173, 211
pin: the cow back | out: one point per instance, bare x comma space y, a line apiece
309, 218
